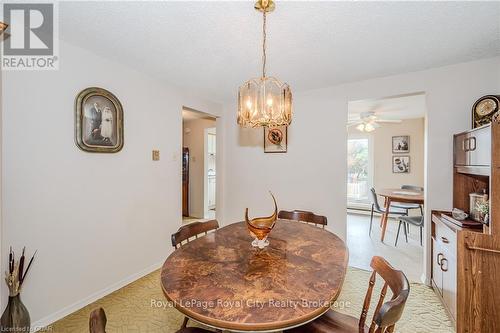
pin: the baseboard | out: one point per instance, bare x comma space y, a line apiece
46, 321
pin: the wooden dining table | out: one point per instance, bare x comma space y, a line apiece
223, 282
392, 195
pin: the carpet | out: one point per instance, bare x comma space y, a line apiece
140, 307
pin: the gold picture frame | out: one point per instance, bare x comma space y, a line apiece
98, 121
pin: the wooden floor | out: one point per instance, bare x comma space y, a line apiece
362, 247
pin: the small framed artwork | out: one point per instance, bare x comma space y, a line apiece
401, 144
401, 164
275, 139
98, 121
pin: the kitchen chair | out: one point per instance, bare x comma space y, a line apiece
191, 230
409, 206
184, 233
97, 321
376, 208
417, 221
303, 216
386, 314
97, 324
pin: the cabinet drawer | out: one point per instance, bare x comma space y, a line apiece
447, 239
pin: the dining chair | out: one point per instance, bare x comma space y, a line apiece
377, 208
303, 216
194, 229
97, 321
97, 324
184, 234
385, 316
417, 221
409, 206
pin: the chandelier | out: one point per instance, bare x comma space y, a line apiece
264, 101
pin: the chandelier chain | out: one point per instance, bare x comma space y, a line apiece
264, 37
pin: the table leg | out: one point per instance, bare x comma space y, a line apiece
385, 217
382, 217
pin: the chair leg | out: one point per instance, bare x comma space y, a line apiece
406, 233
371, 222
421, 244
184, 323
397, 235
421, 210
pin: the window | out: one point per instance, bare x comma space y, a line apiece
358, 171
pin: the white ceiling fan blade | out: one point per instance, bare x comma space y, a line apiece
354, 123
389, 121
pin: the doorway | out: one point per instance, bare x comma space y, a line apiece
385, 151
199, 161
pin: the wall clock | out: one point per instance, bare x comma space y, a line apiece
484, 110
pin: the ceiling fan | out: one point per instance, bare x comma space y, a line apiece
369, 121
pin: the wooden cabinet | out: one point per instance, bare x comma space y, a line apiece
466, 257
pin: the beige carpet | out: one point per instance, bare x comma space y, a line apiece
129, 309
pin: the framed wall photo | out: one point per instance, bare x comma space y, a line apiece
98, 121
401, 144
401, 164
275, 139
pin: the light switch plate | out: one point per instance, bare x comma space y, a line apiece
156, 155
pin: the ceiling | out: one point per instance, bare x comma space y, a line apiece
394, 107
210, 48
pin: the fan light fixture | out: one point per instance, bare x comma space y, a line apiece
264, 101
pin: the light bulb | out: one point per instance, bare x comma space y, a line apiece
249, 104
269, 102
369, 127
360, 127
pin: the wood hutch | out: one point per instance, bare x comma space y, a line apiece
466, 254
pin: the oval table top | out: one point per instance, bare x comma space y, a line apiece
222, 281
402, 195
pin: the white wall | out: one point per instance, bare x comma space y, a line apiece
97, 220
195, 141
312, 174
381, 140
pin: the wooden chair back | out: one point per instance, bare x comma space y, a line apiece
303, 216
386, 314
191, 230
97, 321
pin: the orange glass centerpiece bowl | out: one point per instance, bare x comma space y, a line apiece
260, 227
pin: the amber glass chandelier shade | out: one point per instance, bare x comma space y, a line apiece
3, 27
264, 101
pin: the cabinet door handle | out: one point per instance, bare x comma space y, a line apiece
445, 240
439, 260
465, 144
442, 262
473, 140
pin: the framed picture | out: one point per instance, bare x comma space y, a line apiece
275, 139
401, 164
98, 121
401, 144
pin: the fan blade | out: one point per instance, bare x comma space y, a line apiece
389, 121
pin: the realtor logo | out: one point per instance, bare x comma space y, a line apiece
32, 40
